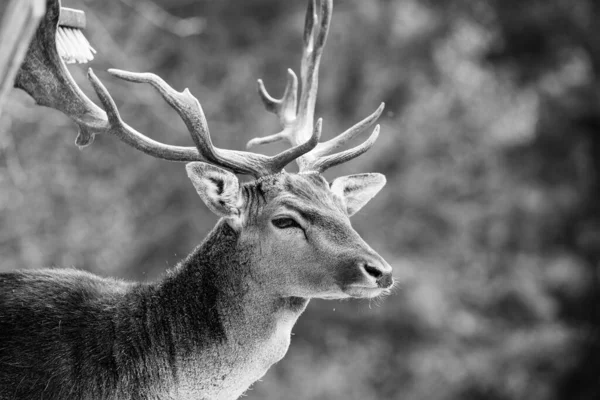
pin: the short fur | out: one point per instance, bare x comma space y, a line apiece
209, 329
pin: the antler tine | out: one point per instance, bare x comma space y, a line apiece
284, 108
320, 164
315, 37
329, 146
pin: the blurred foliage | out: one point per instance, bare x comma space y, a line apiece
490, 217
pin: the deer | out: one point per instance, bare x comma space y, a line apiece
215, 323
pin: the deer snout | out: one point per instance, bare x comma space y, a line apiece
379, 272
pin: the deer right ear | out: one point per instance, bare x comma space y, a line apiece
357, 190
218, 188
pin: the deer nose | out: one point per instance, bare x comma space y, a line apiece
380, 272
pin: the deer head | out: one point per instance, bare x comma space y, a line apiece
298, 230
297, 224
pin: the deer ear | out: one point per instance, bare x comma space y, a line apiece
218, 188
357, 190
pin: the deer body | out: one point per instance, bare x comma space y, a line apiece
215, 323
206, 331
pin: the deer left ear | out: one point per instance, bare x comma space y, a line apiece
357, 190
218, 188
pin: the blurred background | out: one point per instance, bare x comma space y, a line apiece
490, 143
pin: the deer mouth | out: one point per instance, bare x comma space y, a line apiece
364, 292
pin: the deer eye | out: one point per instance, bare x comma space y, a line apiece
285, 223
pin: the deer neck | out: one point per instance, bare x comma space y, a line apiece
215, 282
223, 321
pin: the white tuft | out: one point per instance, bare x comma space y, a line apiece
72, 46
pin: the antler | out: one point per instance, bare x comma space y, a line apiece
44, 76
297, 120
190, 111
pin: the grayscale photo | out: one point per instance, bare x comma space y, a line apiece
299, 200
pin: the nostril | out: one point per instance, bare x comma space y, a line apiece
372, 271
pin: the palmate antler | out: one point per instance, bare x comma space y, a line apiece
297, 120
44, 76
